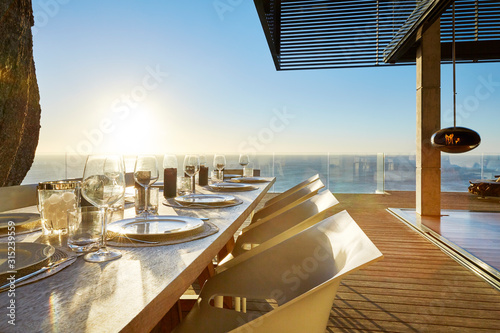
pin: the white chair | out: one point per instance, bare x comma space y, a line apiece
292, 190
301, 274
293, 199
312, 210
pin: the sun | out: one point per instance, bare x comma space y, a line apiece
137, 133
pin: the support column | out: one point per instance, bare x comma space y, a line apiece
428, 121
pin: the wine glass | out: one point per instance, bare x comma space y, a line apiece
103, 184
191, 167
219, 164
145, 174
244, 161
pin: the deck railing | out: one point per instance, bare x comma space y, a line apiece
341, 173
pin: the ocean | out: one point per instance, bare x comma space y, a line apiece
341, 173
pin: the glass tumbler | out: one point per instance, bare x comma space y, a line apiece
55, 199
84, 229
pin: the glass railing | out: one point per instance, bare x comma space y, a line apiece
341, 173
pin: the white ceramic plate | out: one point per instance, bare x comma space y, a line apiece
159, 225
27, 255
18, 218
249, 180
205, 199
231, 175
232, 187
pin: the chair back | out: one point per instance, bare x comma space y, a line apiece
291, 190
301, 274
293, 199
312, 210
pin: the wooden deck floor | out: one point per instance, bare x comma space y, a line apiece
416, 287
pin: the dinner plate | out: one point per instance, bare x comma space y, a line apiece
232, 187
205, 199
230, 175
18, 218
27, 255
249, 180
156, 225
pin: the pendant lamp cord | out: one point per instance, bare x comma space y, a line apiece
454, 73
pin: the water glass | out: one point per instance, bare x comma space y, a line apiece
140, 198
146, 173
247, 171
184, 186
220, 164
215, 177
84, 229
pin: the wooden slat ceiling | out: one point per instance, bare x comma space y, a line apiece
317, 34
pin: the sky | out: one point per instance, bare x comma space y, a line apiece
183, 76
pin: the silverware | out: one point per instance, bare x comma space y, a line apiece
40, 271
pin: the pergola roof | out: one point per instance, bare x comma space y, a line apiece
316, 34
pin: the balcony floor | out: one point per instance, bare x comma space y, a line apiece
416, 287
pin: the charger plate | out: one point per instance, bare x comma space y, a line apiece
27, 257
18, 218
59, 253
24, 223
249, 180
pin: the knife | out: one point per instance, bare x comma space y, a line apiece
40, 271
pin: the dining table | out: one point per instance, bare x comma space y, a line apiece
130, 294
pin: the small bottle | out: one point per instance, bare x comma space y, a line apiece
169, 176
203, 176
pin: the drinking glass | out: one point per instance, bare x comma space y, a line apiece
191, 167
244, 160
103, 184
219, 164
146, 174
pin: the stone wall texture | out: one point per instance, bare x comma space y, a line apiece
19, 95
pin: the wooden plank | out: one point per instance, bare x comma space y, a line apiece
416, 287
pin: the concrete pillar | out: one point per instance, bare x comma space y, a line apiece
428, 121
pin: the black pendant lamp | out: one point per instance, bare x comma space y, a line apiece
455, 139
